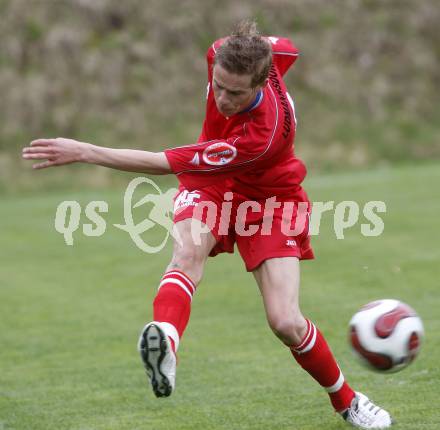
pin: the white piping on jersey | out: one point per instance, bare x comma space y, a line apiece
286, 53
247, 161
292, 105
195, 144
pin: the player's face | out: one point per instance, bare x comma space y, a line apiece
232, 93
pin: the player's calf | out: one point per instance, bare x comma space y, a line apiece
290, 330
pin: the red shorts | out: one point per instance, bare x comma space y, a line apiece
262, 229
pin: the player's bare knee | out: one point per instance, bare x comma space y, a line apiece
289, 329
189, 261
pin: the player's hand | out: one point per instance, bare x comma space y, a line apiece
56, 152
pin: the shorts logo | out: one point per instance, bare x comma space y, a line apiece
186, 198
290, 243
219, 153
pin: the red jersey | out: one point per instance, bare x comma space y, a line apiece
251, 151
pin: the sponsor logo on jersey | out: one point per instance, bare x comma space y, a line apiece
290, 243
219, 153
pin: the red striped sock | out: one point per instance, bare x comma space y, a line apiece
172, 305
314, 355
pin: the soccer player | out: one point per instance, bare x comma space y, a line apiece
243, 166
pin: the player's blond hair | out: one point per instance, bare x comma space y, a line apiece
246, 52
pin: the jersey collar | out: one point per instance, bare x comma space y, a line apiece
257, 101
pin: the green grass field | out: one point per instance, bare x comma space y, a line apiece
70, 319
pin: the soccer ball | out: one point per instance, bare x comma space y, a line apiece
386, 335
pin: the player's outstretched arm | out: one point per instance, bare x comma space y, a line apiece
60, 151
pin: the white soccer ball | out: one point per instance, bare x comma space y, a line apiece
386, 335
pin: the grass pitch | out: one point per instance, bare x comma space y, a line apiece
70, 319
